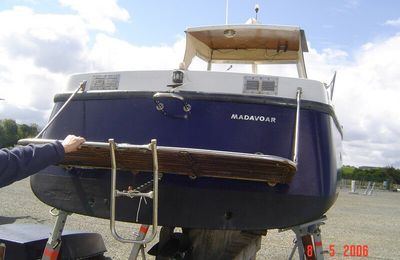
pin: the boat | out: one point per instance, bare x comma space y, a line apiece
220, 117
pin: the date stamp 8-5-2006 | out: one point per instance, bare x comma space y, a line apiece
345, 250
349, 250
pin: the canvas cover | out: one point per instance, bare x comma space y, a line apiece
252, 43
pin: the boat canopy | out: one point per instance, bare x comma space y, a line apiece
248, 44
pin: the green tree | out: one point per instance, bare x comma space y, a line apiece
25, 130
391, 174
377, 175
2, 135
11, 132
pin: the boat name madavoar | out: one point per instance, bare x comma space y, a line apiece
266, 119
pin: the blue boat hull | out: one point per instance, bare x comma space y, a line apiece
218, 122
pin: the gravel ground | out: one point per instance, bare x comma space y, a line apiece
355, 219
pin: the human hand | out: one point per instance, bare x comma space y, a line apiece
72, 143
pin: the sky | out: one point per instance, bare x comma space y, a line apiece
44, 41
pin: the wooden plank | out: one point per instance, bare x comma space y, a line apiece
183, 161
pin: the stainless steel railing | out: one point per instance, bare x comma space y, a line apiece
296, 127
82, 87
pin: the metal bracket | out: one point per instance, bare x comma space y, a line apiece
305, 230
116, 193
138, 247
2, 251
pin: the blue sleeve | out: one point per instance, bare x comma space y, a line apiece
21, 162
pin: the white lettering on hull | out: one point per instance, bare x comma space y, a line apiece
266, 119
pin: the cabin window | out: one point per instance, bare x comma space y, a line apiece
283, 70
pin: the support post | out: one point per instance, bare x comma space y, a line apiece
139, 247
308, 248
2, 251
53, 245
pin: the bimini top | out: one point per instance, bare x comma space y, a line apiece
250, 43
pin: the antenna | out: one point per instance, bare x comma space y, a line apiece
257, 8
226, 12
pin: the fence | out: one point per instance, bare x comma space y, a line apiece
344, 183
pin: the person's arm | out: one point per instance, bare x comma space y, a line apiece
21, 162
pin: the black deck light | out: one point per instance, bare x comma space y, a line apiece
177, 76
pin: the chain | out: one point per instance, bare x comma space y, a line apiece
145, 186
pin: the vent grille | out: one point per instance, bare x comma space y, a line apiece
252, 85
104, 82
260, 85
268, 86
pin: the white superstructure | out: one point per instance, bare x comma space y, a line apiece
253, 44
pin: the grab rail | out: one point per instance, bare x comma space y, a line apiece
116, 193
296, 126
160, 106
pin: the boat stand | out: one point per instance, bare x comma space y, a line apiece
139, 247
308, 240
53, 245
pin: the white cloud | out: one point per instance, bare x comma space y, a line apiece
347, 6
109, 53
393, 22
366, 99
39, 50
351, 4
43, 38
98, 15
36, 53
25, 115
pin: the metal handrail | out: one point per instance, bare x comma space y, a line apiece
160, 106
152, 194
296, 127
331, 86
168, 95
82, 86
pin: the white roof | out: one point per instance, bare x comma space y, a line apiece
250, 43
